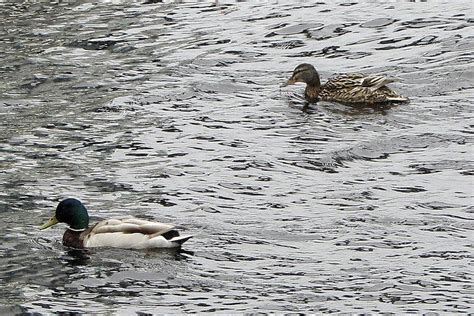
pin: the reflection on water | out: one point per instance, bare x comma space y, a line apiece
173, 112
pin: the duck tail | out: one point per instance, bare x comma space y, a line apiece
180, 239
398, 98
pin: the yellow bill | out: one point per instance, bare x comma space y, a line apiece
52, 221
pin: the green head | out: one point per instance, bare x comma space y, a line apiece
71, 212
304, 73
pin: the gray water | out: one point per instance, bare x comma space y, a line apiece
173, 112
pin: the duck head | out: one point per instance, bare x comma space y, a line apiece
72, 212
304, 73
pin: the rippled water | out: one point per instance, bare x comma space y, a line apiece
173, 112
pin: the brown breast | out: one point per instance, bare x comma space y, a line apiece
73, 239
311, 93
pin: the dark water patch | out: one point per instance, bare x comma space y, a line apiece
347, 4
416, 189
394, 40
212, 42
294, 29
104, 185
423, 22
34, 82
441, 228
382, 148
266, 17
447, 255
454, 216
332, 52
327, 32
287, 44
96, 43
107, 109
438, 205
426, 40
379, 22
438, 166
456, 27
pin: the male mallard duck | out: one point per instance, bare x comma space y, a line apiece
132, 233
347, 88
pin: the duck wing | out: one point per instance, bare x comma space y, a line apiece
360, 88
131, 225
344, 81
375, 82
358, 80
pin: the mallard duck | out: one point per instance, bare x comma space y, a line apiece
346, 88
131, 233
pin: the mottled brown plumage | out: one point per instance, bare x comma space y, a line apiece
347, 88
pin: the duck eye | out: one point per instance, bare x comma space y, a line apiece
298, 71
297, 74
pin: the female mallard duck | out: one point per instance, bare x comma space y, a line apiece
132, 233
347, 88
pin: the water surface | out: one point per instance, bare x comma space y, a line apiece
173, 112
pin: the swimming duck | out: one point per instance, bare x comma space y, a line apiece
131, 233
346, 88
